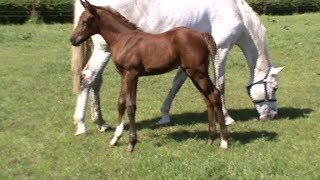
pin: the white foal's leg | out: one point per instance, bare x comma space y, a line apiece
220, 66
178, 81
80, 111
94, 67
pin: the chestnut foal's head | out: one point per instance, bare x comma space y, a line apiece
87, 25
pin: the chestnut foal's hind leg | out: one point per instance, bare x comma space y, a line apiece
212, 98
215, 97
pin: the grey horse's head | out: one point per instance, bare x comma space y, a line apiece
263, 94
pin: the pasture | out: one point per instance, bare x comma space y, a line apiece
37, 104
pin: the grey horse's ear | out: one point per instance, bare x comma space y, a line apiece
276, 70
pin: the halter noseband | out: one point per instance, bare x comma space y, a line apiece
264, 82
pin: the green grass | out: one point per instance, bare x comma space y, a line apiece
37, 104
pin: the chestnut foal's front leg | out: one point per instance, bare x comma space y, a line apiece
127, 101
121, 111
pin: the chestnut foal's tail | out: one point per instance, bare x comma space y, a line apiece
212, 46
80, 57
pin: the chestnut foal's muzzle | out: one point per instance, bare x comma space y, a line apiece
76, 41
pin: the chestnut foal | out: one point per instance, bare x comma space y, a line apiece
137, 53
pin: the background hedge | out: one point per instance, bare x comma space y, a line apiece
56, 11
48, 11
60, 11
284, 7
12, 11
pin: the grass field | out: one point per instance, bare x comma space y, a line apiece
37, 104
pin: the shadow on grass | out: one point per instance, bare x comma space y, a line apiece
176, 119
238, 137
294, 113
283, 113
246, 137
238, 114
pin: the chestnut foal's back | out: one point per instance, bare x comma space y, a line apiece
137, 53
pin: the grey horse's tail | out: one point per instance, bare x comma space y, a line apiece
80, 57
80, 54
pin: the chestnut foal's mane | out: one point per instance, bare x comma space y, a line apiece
118, 16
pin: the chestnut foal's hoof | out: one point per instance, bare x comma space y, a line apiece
210, 141
132, 145
130, 148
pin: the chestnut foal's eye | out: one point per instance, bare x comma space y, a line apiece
88, 23
85, 23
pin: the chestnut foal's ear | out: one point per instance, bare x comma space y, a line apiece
90, 8
84, 3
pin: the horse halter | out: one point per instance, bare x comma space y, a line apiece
264, 82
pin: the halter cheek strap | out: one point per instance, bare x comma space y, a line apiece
264, 82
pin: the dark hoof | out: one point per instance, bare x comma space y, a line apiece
130, 148
210, 141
